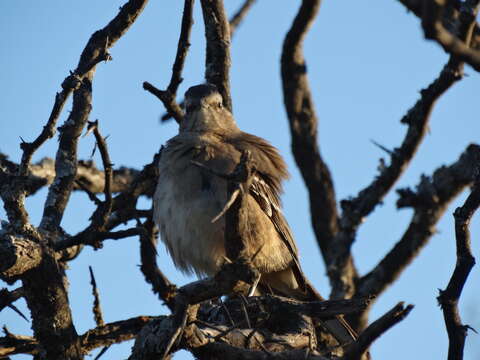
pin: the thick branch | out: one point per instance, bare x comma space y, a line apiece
449, 298
17, 256
217, 61
303, 128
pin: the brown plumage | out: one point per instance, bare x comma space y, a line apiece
187, 198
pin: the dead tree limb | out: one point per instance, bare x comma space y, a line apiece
449, 298
217, 60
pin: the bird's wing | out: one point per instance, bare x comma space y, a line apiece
270, 171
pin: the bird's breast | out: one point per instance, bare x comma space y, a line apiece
185, 202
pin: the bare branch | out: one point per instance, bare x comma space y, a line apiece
234, 23
449, 18
217, 61
148, 254
12, 344
429, 201
432, 14
182, 48
238, 17
449, 298
168, 100
97, 310
357, 208
95, 52
303, 128
92, 179
66, 160
7, 298
113, 333
375, 330
168, 96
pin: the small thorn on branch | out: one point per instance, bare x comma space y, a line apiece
380, 146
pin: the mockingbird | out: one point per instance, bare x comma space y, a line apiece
188, 197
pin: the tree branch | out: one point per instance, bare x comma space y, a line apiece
432, 14
168, 96
304, 127
357, 208
375, 330
238, 17
450, 16
449, 298
429, 201
217, 61
148, 254
234, 23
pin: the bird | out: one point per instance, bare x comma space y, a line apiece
188, 197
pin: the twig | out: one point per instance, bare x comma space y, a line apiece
66, 159
167, 99
357, 208
102, 213
375, 330
97, 310
182, 48
95, 52
86, 238
9, 297
148, 254
168, 96
234, 23
89, 193
238, 17
449, 298
103, 351
429, 202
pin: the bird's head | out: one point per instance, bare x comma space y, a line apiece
205, 111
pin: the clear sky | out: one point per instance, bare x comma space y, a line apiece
366, 65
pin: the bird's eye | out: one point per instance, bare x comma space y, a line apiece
220, 105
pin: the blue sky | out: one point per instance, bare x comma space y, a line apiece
366, 67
